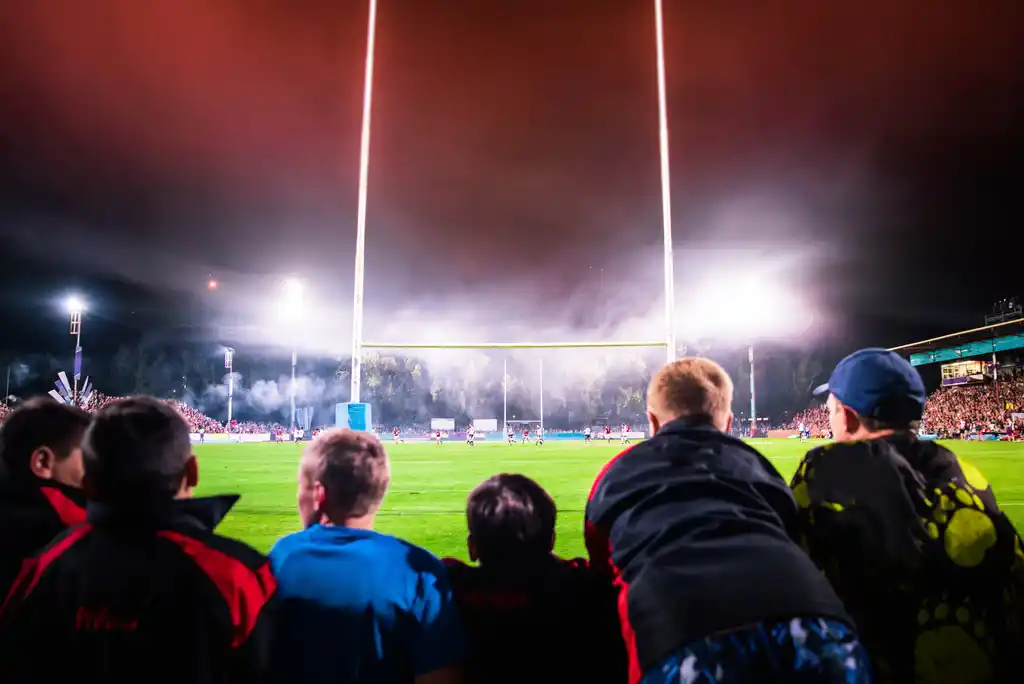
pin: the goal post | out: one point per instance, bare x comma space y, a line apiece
668, 340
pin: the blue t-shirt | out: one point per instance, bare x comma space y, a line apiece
360, 606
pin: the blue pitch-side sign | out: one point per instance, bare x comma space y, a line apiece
968, 350
353, 416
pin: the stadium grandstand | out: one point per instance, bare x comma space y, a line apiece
979, 376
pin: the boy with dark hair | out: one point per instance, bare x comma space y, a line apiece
530, 615
144, 589
40, 479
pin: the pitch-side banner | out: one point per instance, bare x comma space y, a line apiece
485, 424
442, 423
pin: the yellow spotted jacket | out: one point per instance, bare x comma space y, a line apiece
914, 543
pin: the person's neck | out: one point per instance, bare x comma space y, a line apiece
363, 523
865, 435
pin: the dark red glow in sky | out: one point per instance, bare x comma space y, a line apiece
503, 125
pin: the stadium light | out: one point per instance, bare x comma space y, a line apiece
747, 309
75, 306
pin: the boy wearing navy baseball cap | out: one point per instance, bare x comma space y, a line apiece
909, 534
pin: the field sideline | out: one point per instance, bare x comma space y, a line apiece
426, 503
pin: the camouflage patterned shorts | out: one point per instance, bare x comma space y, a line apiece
799, 651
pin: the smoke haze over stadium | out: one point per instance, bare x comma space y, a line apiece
861, 150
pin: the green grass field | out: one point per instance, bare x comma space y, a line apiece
429, 485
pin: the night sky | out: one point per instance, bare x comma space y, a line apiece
863, 151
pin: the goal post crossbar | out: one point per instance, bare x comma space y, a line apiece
510, 345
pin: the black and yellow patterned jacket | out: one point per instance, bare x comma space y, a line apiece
914, 543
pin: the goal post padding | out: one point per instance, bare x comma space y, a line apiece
354, 416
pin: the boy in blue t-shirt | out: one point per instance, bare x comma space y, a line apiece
357, 605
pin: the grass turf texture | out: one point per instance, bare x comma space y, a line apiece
429, 484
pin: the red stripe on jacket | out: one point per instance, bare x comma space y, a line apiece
245, 590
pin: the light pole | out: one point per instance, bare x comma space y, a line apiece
292, 303
753, 393
75, 308
229, 360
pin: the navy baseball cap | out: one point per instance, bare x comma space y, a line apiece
878, 384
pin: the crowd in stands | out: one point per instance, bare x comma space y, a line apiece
951, 412
704, 565
970, 409
197, 420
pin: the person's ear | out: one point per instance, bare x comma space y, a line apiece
192, 472
851, 420
472, 549
655, 423
728, 423
41, 463
320, 501
551, 544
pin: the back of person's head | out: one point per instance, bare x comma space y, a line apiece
511, 518
42, 439
343, 478
138, 449
693, 388
873, 392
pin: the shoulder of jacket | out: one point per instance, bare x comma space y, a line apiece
215, 545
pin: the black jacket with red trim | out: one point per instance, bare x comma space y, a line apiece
136, 595
545, 619
698, 531
32, 513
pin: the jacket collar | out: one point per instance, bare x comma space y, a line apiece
689, 424
205, 512
68, 502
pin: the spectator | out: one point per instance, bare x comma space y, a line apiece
357, 605
143, 590
910, 535
697, 530
40, 479
529, 614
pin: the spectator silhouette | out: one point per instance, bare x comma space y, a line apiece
529, 614
357, 605
697, 530
40, 479
143, 590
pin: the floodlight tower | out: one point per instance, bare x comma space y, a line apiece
229, 360
75, 307
292, 304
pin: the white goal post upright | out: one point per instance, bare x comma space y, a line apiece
358, 344
364, 181
666, 186
541, 413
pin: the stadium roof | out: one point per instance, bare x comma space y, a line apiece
986, 332
989, 339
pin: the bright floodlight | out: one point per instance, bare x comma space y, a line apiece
211, 284
292, 300
74, 305
744, 309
